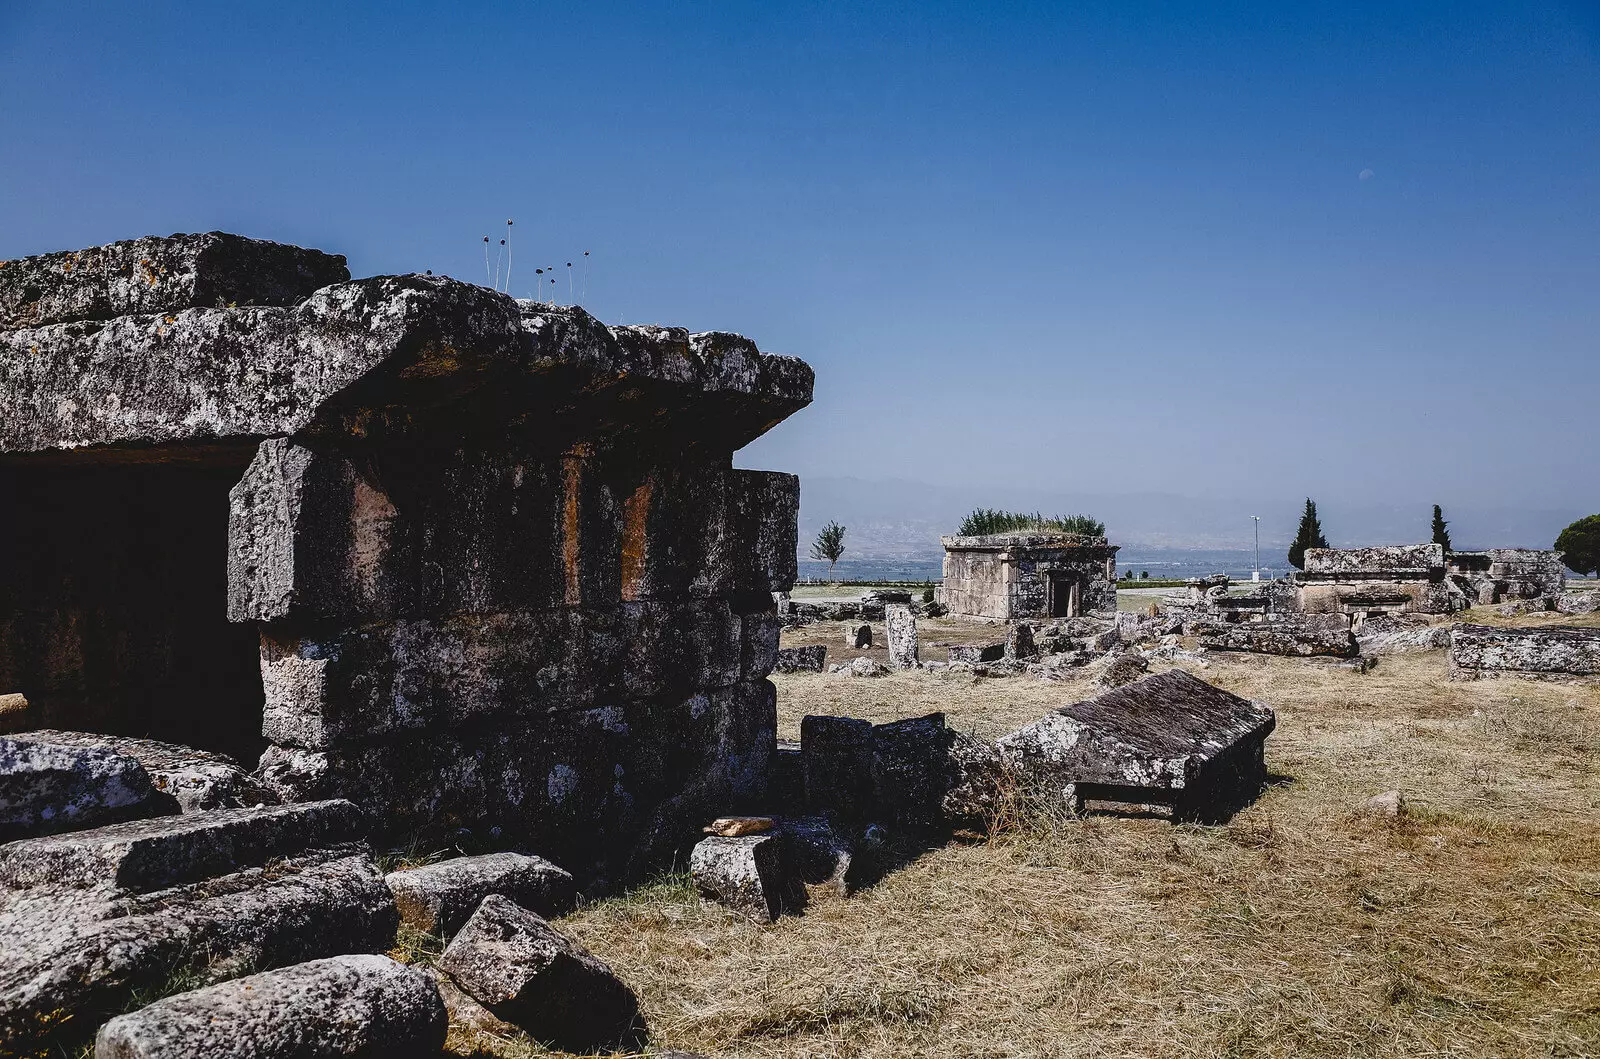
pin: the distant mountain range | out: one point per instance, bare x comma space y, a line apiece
903, 520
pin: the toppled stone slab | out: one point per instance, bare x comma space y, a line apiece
160, 275
1401, 633
156, 853
901, 632
750, 874
1552, 652
861, 667
975, 653
73, 957
360, 1005
465, 1012
886, 596
1295, 638
1169, 737
195, 779
46, 787
1583, 601
525, 971
836, 754
437, 898
810, 659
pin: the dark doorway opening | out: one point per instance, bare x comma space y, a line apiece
113, 602
1064, 596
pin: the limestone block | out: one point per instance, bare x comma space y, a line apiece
46, 787
15, 716
1120, 669
1551, 652
750, 874
858, 635
160, 275
437, 898
194, 779
901, 632
819, 853
974, 653
811, 659
1019, 641
165, 851
910, 771
529, 974
342, 1006
1300, 639
837, 754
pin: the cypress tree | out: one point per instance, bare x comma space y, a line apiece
1441, 535
1309, 536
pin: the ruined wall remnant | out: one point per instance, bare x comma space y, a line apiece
1029, 575
465, 560
1506, 574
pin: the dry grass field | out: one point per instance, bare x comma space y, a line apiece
1469, 926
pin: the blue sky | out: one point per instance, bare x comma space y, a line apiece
1095, 247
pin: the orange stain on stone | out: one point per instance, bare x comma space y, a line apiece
571, 528
635, 520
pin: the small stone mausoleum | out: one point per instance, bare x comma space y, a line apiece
465, 560
1029, 575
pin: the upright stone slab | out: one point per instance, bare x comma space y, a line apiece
1019, 641
836, 755
901, 632
352, 1006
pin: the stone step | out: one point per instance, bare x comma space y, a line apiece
170, 850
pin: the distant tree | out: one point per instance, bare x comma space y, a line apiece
1144, 575
1309, 536
828, 546
1579, 545
1441, 535
984, 521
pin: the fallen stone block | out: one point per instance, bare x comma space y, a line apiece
1401, 633
166, 851
811, 659
526, 972
437, 898
1168, 738
861, 667
734, 826
1019, 641
901, 632
86, 954
1389, 803
46, 788
465, 1012
858, 635
160, 275
910, 771
343, 1006
1298, 639
1552, 652
750, 874
886, 596
195, 779
836, 755
980, 776
1120, 669
1585, 601
975, 653
819, 853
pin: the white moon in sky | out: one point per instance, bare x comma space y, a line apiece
1366, 174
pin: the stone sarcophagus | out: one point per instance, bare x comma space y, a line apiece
468, 561
1370, 581
1029, 575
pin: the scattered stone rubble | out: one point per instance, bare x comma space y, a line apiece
437, 898
1550, 652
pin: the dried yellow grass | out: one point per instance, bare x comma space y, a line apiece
1470, 926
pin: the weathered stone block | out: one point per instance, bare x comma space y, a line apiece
819, 853
46, 787
165, 851
750, 874
195, 779
1019, 641
160, 275
910, 770
1551, 652
974, 653
858, 635
811, 659
437, 898
901, 633
527, 973
1295, 638
837, 752
341, 1006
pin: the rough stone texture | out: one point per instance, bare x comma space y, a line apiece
979, 777
1400, 633
901, 632
911, 771
465, 1012
971, 653
811, 659
1019, 641
819, 853
1551, 652
751, 874
1167, 737
1028, 575
527, 973
86, 953
1499, 574
1413, 559
837, 758
358, 1005
1585, 601
15, 715
161, 852
1372, 581
194, 779
46, 787
858, 636
159, 275
1297, 638
437, 898
1389, 803
861, 667
1121, 670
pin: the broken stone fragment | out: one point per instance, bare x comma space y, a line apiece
160, 275
526, 972
343, 1006
46, 788
910, 771
1019, 641
975, 653
1551, 652
1389, 803
901, 632
465, 1012
1401, 633
820, 854
861, 667
810, 659
14, 714
858, 635
750, 874
1120, 669
979, 780
437, 898
151, 854
195, 779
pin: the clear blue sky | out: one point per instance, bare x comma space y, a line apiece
1090, 246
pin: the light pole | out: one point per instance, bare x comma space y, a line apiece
1257, 575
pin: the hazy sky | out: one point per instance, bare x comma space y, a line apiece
1345, 250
